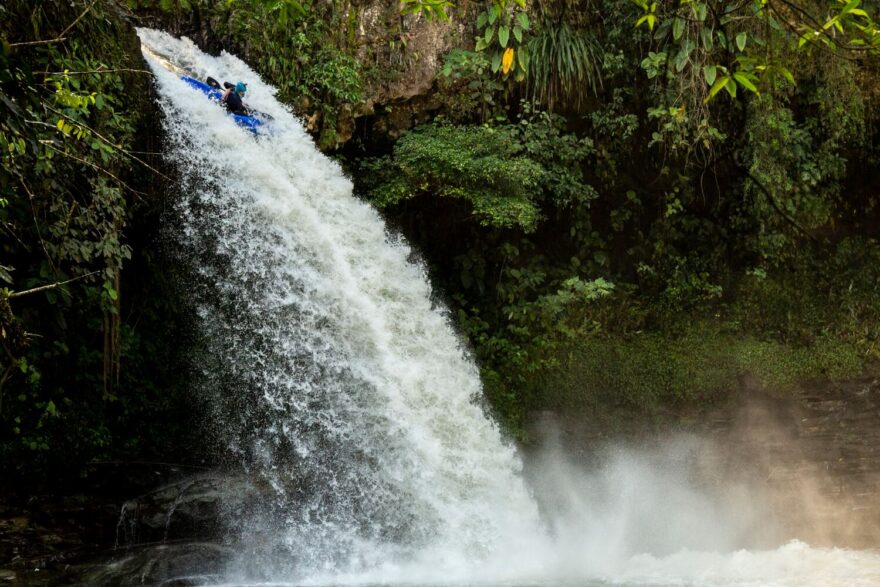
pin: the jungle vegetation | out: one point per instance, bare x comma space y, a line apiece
659, 198
86, 308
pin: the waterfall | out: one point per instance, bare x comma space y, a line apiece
334, 374
334, 379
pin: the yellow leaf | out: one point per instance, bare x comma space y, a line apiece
507, 60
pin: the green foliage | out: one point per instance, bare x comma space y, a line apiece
69, 108
708, 46
789, 177
537, 311
282, 11
482, 165
504, 172
564, 63
500, 31
652, 374
286, 10
313, 75
734, 185
815, 298
430, 8
729, 228
470, 89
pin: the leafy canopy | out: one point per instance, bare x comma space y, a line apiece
505, 172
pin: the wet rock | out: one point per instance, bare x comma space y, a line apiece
195, 563
191, 508
7, 576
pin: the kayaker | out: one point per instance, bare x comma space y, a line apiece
232, 96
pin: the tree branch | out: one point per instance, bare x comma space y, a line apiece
106, 140
32, 43
60, 37
18, 294
96, 71
78, 18
775, 205
97, 167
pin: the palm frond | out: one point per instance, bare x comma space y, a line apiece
564, 65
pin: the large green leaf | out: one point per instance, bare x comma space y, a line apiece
706, 37
681, 59
522, 57
5, 274
786, 73
719, 84
745, 82
730, 86
503, 35
710, 72
494, 13
677, 28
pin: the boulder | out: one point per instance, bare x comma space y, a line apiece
191, 508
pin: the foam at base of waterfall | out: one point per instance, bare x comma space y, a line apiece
792, 565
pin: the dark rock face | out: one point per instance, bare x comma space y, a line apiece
409, 50
96, 538
161, 535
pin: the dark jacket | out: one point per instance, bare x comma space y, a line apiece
234, 104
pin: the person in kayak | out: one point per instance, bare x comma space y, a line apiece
232, 97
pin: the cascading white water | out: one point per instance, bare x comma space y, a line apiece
337, 381
338, 378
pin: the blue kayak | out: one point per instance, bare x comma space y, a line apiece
250, 123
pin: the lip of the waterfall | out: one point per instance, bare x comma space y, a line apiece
267, 116
165, 61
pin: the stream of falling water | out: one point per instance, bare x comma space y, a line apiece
336, 380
